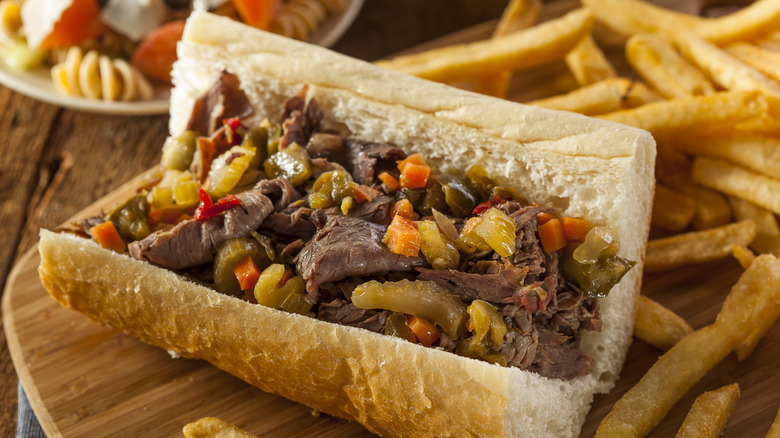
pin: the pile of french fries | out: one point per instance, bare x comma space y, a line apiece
708, 89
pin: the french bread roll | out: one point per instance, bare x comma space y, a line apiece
590, 168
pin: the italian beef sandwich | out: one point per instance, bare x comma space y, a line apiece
421, 259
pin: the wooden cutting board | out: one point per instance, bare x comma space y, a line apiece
86, 380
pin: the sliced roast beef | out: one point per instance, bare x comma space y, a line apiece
367, 159
520, 348
559, 357
299, 119
194, 242
224, 100
345, 313
504, 283
344, 246
296, 223
279, 191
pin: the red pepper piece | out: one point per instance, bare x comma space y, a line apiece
207, 210
485, 206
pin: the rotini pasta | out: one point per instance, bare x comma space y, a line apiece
97, 76
299, 19
11, 19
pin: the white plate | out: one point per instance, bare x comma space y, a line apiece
37, 83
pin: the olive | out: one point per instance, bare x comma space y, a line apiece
397, 325
595, 279
228, 255
291, 162
131, 218
178, 151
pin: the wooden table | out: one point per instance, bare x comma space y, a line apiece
55, 161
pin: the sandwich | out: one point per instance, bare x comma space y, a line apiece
421, 259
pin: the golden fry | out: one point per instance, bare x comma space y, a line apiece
724, 69
767, 230
697, 246
640, 94
211, 427
754, 151
588, 64
672, 376
659, 63
737, 181
528, 48
712, 208
518, 15
659, 326
752, 22
674, 117
743, 255
630, 17
710, 413
672, 211
763, 60
599, 98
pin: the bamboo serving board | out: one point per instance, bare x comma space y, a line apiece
86, 380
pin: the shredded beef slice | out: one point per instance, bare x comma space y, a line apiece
367, 159
225, 99
344, 246
194, 242
343, 312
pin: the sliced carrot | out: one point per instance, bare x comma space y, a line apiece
424, 330
544, 217
575, 229
415, 176
81, 20
403, 208
361, 193
389, 180
247, 272
402, 237
551, 235
411, 159
107, 236
257, 13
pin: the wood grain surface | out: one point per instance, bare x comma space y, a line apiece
97, 382
54, 162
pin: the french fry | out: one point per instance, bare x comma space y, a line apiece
724, 69
211, 427
712, 208
661, 66
737, 181
697, 246
630, 17
672, 211
640, 94
763, 60
599, 98
528, 48
518, 15
672, 376
754, 151
672, 117
752, 22
774, 430
657, 325
743, 255
710, 413
767, 230
588, 64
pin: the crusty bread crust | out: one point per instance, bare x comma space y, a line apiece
590, 168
